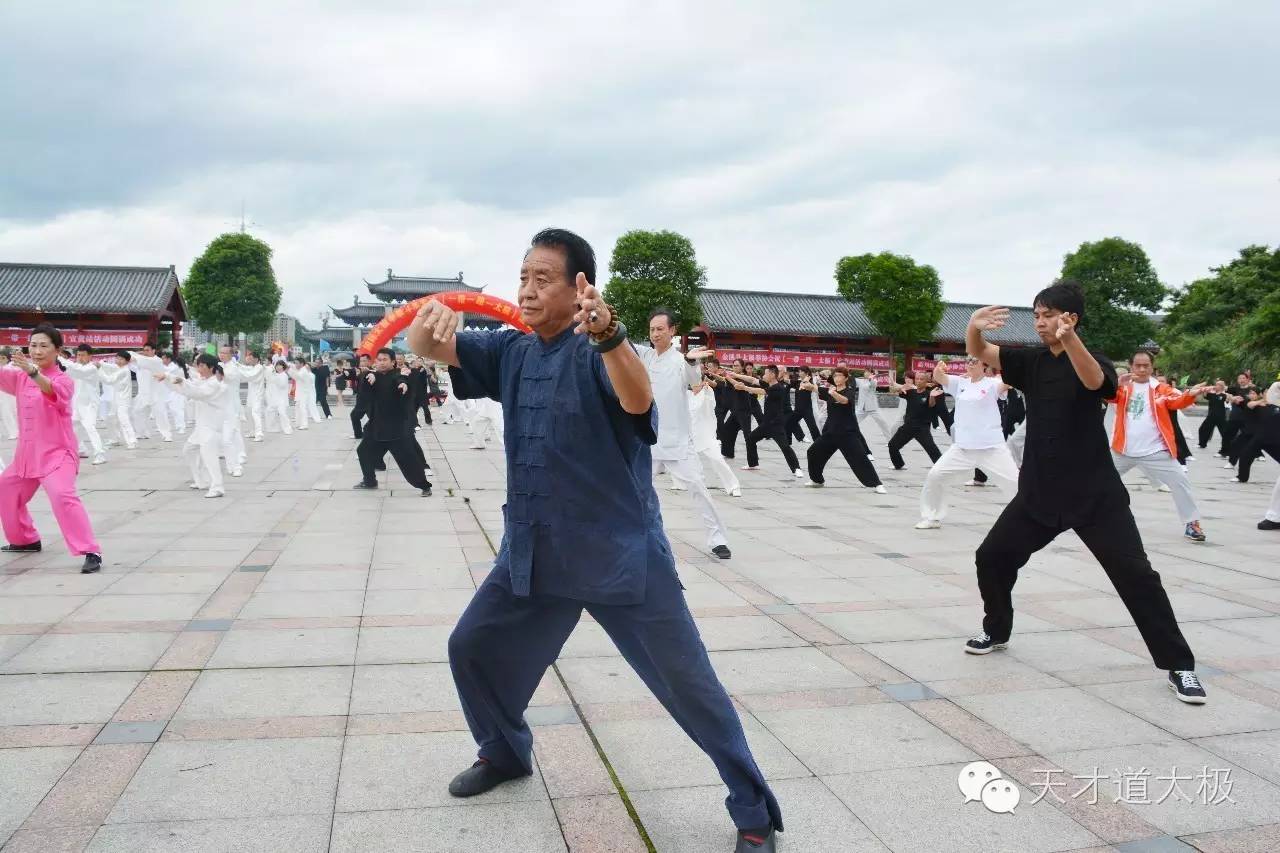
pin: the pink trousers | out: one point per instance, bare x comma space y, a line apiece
60, 485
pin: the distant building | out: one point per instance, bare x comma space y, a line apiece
284, 329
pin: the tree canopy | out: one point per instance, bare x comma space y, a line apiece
655, 269
231, 287
901, 298
1228, 321
1120, 289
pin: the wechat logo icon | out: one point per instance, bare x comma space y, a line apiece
983, 781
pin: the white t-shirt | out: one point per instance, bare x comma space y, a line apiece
977, 425
1141, 436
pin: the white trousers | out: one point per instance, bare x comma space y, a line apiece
711, 459
1273, 511
146, 410
279, 409
996, 462
1017, 442
256, 414
688, 472
875, 415
313, 406
8, 416
481, 425
201, 453
120, 424
1163, 468
233, 449
86, 414
178, 412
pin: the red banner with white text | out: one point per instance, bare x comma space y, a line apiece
955, 365
796, 358
103, 338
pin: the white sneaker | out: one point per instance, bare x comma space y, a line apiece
974, 483
237, 472
750, 467
735, 493
800, 475
257, 438
1228, 466
812, 485
194, 486
99, 459
1190, 459
169, 438
673, 487
928, 524
881, 490
1164, 488
871, 456
215, 493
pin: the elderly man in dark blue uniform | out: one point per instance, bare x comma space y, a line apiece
582, 529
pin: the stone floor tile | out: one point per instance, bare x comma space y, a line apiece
600, 824
289, 834
242, 648
410, 644
269, 605
90, 652
1065, 718
139, 608
1257, 752
63, 839
528, 827
88, 790
1225, 713
63, 698
1258, 839
28, 775
302, 691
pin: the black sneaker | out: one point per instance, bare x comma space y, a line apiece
426, 493
1186, 684
31, 548
755, 841
1268, 524
365, 484
983, 644
92, 563
721, 551
478, 778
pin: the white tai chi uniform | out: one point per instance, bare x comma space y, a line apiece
277, 401
255, 379
977, 442
487, 419
175, 404
84, 405
209, 399
233, 449
1145, 448
868, 406
145, 405
304, 388
670, 376
452, 408
702, 419
8, 416
119, 419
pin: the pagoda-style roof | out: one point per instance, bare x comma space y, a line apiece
75, 289
402, 288
360, 313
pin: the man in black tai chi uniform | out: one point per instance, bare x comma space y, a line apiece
388, 430
1068, 481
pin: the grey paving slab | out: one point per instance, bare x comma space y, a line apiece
63, 698
1257, 752
403, 688
90, 652
1065, 718
209, 625
496, 828
295, 692
292, 834
27, 776
409, 644
139, 608
141, 732
36, 609
200, 780
295, 604
168, 583
285, 647
1225, 714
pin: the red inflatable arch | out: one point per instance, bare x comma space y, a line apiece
459, 300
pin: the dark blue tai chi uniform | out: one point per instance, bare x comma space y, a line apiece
582, 530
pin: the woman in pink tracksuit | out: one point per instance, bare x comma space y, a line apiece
46, 454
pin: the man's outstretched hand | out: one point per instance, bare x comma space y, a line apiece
990, 317
593, 315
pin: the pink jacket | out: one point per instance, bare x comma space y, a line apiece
46, 438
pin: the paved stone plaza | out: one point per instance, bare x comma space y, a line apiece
267, 673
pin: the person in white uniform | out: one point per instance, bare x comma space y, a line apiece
84, 401
702, 419
174, 403
304, 389
868, 405
233, 449
977, 439
8, 407
254, 373
671, 374
486, 421
277, 398
119, 378
209, 399
146, 364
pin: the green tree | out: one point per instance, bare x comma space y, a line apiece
231, 287
655, 269
1228, 321
901, 298
1120, 289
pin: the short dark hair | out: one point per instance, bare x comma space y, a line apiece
218, 369
1063, 295
1148, 353
840, 370
124, 353
579, 257
49, 331
772, 367
151, 344
208, 360
391, 354
84, 348
663, 312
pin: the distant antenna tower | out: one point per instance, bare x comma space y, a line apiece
244, 225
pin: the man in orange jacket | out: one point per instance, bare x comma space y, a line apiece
1143, 435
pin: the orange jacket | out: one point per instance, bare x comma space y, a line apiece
1163, 399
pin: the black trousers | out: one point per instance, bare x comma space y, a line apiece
852, 448
411, 462
1180, 440
1252, 451
322, 397
942, 413
793, 425
779, 434
1212, 421
1111, 535
358, 413
739, 421
906, 434
1242, 442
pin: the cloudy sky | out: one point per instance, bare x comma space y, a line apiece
986, 139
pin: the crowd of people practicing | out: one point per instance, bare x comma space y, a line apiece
582, 525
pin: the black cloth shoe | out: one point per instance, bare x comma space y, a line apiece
1186, 686
1268, 524
755, 841
92, 563
721, 551
31, 548
365, 484
480, 777
426, 493
983, 644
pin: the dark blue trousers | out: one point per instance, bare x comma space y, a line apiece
503, 644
